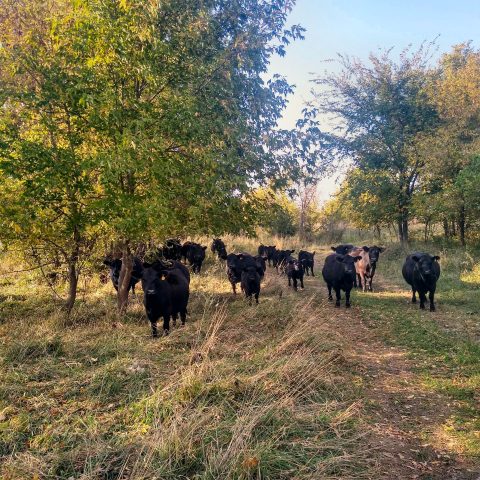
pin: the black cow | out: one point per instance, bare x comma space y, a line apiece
262, 250
166, 294
172, 249
343, 249
250, 283
295, 273
280, 259
218, 247
374, 254
339, 274
271, 249
261, 265
421, 271
115, 267
237, 263
307, 260
195, 254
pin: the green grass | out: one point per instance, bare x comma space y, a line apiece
445, 343
239, 393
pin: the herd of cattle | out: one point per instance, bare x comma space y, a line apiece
166, 280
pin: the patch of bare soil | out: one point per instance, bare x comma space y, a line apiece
400, 414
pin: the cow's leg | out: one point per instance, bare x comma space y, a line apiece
423, 299
311, 269
329, 292
295, 283
183, 316
414, 298
154, 329
301, 282
370, 280
364, 280
133, 289
166, 324
174, 318
347, 298
256, 297
338, 296
431, 297
289, 281
234, 288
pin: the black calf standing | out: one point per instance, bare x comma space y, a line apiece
115, 268
374, 254
307, 260
250, 283
218, 247
339, 274
261, 265
421, 271
195, 254
166, 294
172, 249
295, 273
343, 248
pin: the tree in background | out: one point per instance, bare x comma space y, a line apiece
139, 118
380, 108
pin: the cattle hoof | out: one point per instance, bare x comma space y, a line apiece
432, 308
414, 300
166, 333
422, 307
330, 299
337, 305
347, 305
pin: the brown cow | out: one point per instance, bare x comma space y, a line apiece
362, 266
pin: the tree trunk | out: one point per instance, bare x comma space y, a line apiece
461, 224
73, 273
72, 286
446, 228
124, 279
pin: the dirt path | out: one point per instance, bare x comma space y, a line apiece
398, 410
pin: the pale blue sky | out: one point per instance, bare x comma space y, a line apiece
357, 27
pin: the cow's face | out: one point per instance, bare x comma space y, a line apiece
424, 263
150, 279
232, 261
374, 253
115, 267
251, 273
348, 263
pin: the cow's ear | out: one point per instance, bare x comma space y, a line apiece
365, 248
107, 262
333, 248
435, 257
204, 248
415, 258
382, 249
292, 251
313, 254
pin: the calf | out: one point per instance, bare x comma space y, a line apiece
262, 250
374, 254
166, 294
219, 248
270, 253
115, 268
362, 267
295, 272
172, 249
307, 260
421, 271
280, 259
261, 265
195, 254
343, 249
250, 283
237, 263
339, 274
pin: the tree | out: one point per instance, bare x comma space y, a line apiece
139, 118
380, 108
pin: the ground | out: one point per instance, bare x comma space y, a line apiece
292, 388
